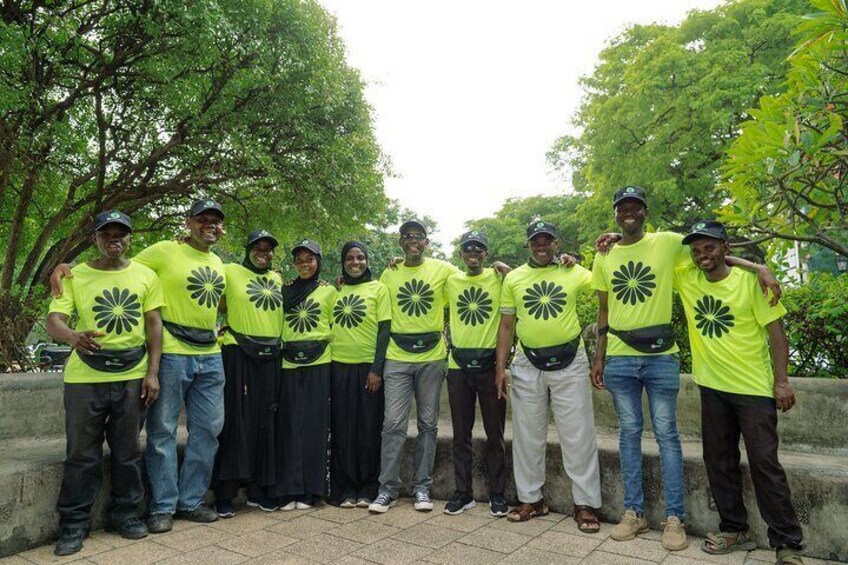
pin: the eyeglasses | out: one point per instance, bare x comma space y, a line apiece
414, 236
473, 249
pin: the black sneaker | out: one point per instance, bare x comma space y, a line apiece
131, 528
160, 523
225, 508
264, 504
497, 506
202, 514
70, 541
460, 502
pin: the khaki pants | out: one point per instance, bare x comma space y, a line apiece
569, 394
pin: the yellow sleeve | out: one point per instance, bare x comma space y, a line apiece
65, 303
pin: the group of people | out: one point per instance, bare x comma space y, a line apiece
308, 396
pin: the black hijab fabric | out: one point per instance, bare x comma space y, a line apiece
366, 276
248, 264
300, 289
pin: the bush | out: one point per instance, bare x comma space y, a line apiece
817, 327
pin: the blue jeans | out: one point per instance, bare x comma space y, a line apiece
401, 382
659, 375
197, 380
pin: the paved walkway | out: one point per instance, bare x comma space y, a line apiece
351, 537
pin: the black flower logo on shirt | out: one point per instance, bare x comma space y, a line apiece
544, 300
117, 311
264, 293
633, 282
474, 306
206, 286
415, 298
349, 311
712, 317
304, 317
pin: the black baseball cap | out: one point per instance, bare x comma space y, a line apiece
204, 205
256, 235
309, 245
635, 192
412, 223
473, 236
103, 219
706, 228
539, 226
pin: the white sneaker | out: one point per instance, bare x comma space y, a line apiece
382, 503
289, 507
302, 505
423, 502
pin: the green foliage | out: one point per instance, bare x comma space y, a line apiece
817, 327
506, 230
665, 102
786, 172
144, 105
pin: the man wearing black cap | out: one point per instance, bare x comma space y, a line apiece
250, 350
474, 301
634, 281
415, 365
191, 373
741, 388
549, 371
110, 379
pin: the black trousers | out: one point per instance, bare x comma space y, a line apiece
724, 416
357, 426
464, 389
92, 411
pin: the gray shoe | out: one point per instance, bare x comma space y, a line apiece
160, 523
203, 514
132, 528
70, 541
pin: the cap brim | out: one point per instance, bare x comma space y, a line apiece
467, 241
629, 197
211, 208
550, 233
116, 222
696, 234
413, 223
268, 237
310, 249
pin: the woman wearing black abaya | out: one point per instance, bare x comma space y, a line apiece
246, 453
362, 323
303, 414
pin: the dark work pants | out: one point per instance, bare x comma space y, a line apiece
724, 416
92, 411
464, 389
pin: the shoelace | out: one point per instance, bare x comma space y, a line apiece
422, 497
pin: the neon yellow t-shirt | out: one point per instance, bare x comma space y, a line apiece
543, 300
356, 313
418, 305
254, 303
638, 280
474, 306
727, 323
112, 302
192, 282
311, 320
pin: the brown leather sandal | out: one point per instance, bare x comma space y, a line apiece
587, 520
525, 511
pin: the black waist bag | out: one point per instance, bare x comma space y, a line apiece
114, 360
191, 336
259, 348
474, 360
304, 352
554, 357
652, 339
417, 343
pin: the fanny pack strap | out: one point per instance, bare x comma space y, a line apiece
192, 336
114, 360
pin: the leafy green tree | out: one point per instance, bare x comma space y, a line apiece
786, 172
665, 102
506, 230
143, 105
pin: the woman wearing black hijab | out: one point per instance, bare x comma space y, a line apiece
251, 355
303, 413
362, 318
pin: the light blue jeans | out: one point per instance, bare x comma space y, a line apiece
197, 381
659, 376
402, 381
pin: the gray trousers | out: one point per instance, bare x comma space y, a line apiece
402, 381
569, 395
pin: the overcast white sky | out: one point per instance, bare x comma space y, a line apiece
468, 95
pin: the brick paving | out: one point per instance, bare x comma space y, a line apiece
402, 535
